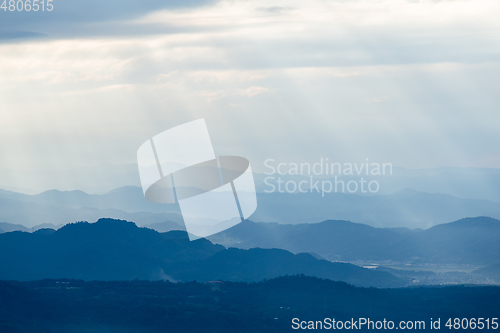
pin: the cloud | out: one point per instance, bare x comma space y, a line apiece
9, 34
414, 84
254, 91
70, 18
213, 95
274, 9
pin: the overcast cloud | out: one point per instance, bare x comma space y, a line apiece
411, 83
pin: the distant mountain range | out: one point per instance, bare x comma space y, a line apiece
58, 208
100, 178
407, 208
165, 226
467, 241
119, 250
468, 183
257, 264
8, 227
160, 227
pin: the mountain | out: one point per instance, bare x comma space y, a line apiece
407, 208
45, 226
128, 199
466, 241
105, 250
468, 183
165, 226
119, 250
7, 227
58, 207
92, 179
61, 207
258, 264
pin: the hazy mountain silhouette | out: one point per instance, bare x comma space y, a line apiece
8, 227
467, 241
58, 207
257, 264
17, 227
45, 226
128, 199
470, 183
467, 183
119, 250
165, 226
63, 207
407, 208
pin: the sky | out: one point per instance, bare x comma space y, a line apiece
412, 83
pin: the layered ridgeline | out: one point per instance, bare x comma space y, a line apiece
474, 241
406, 208
119, 250
8, 227
55, 208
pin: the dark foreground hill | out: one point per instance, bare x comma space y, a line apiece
106, 250
257, 264
119, 250
468, 241
269, 306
